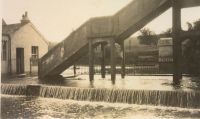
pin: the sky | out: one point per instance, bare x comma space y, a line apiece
56, 19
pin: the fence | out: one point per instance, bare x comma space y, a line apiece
33, 66
130, 70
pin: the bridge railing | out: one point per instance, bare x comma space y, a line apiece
62, 51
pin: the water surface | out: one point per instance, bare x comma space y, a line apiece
47, 108
130, 82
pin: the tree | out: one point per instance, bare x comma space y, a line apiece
167, 33
148, 37
191, 50
190, 27
196, 25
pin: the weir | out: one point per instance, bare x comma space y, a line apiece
185, 99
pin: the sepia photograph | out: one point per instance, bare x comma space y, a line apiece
100, 59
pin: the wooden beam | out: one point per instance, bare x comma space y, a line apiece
123, 61
91, 61
103, 69
112, 60
74, 67
177, 51
189, 3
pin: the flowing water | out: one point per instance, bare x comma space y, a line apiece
47, 108
135, 97
188, 99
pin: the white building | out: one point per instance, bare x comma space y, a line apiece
22, 45
165, 50
165, 55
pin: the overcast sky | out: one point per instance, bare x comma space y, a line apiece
56, 19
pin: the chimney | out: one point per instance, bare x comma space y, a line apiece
25, 18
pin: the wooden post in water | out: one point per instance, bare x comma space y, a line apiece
177, 51
103, 69
123, 60
112, 60
91, 61
74, 67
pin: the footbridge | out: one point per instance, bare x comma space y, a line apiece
111, 30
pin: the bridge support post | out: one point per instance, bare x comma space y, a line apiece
103, 68
91, 61
112, 60
177, 50
123, 61
74, 67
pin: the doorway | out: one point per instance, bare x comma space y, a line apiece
20, 60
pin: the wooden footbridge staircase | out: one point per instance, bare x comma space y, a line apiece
112, 29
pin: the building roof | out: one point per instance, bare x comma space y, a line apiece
11, 28
3, 22
8, 29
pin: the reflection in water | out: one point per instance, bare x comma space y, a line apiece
130, 82
45, 108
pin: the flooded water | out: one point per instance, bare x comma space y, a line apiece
149, 82
46, 108
135, 82
75, 98
130, 82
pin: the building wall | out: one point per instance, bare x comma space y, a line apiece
4, 63
26, 37
165, 47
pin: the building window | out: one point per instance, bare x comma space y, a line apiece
35, 52
35, 56
4, 50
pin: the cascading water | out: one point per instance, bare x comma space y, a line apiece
165, 98
13, 89
187, 99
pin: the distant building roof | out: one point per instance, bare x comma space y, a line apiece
165, 42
